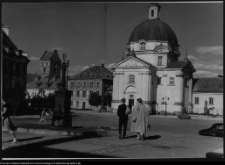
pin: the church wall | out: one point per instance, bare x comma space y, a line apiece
165, 91
150, 45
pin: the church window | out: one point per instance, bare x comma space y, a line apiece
152, 13
159, 80
78, 93
160, 60
85, 84
78, 83
131, 78
196, 100
171, 80
142, 46
77, 104
91, 84
44, 69
98, 84
210, 101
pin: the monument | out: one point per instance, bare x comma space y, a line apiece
61, 115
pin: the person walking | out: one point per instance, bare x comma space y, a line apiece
7, 125
123, 118
140, 120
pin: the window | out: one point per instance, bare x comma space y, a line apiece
78, 83
85, 84
142, 46
152, 13
159, 80
14, 67
91, 84
171, 81
196, 100
160, 60
71, 85
77, 104
71, 94
131, 78
210, 101
71, 103
84, 94
44, 69
78, 93
98, 84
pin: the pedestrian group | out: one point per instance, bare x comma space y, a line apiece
140, 120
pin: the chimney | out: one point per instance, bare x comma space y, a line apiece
6, 29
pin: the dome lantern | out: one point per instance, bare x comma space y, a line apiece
154, 9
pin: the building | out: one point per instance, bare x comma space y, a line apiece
48, 77
14, 66
208, 92
94, 79
150, 69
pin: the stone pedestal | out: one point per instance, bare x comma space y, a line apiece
61, 115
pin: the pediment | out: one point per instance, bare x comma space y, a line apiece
131, 62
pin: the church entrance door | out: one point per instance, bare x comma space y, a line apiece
131, 103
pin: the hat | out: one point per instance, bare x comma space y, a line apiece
139, 100
123, 100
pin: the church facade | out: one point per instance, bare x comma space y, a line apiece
150, 69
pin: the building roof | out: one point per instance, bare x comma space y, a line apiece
177, 64
94, 72
43, 83
153, 29
208, 85
8, 42
50, 54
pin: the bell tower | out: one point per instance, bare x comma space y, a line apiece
154, 9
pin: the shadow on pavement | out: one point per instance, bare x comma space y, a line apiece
152, 137
39, 150
26, 139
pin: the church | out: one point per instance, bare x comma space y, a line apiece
151, 70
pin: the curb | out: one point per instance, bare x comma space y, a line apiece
78, 133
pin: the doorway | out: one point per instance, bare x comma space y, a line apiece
131, 103
83, 107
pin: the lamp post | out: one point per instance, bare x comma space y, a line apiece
165, 98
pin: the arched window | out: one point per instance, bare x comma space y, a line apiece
142, 46
131, 78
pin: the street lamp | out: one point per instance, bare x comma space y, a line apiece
166, 98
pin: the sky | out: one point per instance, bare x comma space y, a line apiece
97, 33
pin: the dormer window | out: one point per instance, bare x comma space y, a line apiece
142, 46
152, 13
160, 60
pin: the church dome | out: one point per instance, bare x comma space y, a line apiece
153, 29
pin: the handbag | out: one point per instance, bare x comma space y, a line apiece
128, 111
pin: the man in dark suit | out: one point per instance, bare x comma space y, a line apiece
123, 118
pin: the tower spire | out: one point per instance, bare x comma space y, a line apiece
186, 56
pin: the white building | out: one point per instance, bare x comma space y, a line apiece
151, 69
208, 92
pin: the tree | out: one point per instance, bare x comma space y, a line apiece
94, 99
108, 98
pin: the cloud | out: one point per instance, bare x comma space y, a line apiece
190, 57
109, 66
203, 73
34, 58
199, 66
217, 50
73, 70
